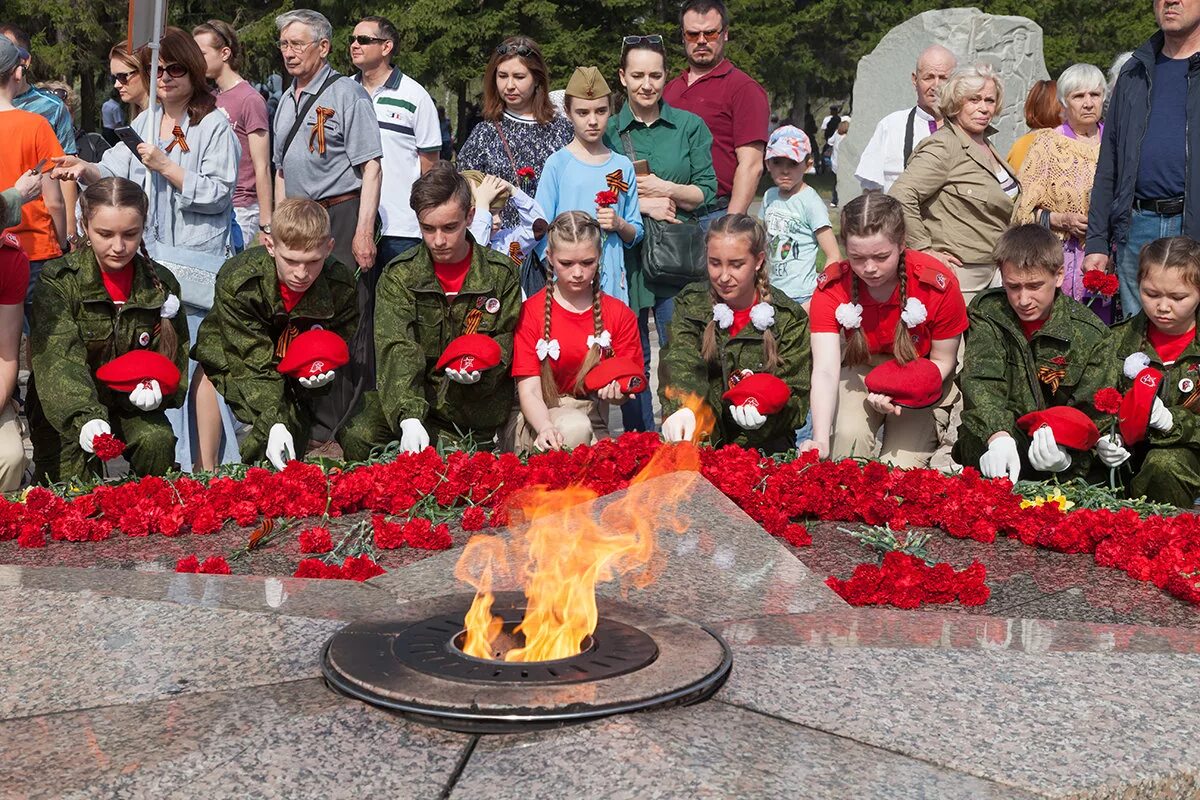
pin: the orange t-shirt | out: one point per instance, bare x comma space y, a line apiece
28, 138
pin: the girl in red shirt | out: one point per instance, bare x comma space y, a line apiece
883, 302
564, 331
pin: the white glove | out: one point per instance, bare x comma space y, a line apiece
680, 426
147, 396
280, 446
1111, 451
90, 431
413, 438
1160, 417
317, 381
466, 377
1001, 459
1045, 454
748, 417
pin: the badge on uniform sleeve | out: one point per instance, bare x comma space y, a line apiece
941, 280
492, 305
479, 302
144, 339
1186, 385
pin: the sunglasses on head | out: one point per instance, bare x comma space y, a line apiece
514, 50
694, 37
633, 41
124, 77
366, 40
174, 70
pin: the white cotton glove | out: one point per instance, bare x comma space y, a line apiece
1111, 451
465, 377
147, 396
680, 426
90, 431
280, 446
1001, 459
1160, 417
413, 437
748, 417
1045, 454
317, 381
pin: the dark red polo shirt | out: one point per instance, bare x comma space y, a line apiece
735, 108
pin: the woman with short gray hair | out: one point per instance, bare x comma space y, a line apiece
1057, 175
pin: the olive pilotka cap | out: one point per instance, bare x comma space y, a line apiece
587, 84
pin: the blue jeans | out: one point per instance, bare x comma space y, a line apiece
711, 217
389, 247
638, 413
1144, 227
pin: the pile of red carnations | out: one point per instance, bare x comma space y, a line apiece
905, 581
413, 497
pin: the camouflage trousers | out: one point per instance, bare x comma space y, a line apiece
149, 446
1168, 475
368, 430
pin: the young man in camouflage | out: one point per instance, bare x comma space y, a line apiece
264, 298
1029, 347
428, 296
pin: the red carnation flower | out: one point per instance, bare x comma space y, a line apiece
1107, 401
797, 535
606, 198
526, 173
388, 535
474, 519
107, 447
214, 565
316, 540
360, 568
316, 568
187, 564
423, 535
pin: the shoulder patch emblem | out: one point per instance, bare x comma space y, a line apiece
10, 240
941, 280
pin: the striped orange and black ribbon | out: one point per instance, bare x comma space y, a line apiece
471, 323
285, 341
514, 254
616, 182
1051, 376
180, 140
318, 130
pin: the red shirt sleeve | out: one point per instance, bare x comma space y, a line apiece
626, 339
822, 314
950, 318
14, 274
751, 114
529, 329
255, 115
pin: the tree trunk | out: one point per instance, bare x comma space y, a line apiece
460, 132
796, 113
87, 100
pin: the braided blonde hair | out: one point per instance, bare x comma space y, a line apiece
570, 227
755, 236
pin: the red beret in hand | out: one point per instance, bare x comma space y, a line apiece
1137, 404
472, 351
625, 371
917, 384
762, 390
314, 353
1071, 427
125, 373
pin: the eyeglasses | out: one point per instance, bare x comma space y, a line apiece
124, 77
174, 70
695, 37
295, 47
514, 50
633, 41
366, 40
61, 94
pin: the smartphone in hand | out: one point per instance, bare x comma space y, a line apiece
130, 137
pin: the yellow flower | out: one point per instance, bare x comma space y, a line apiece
1059, 500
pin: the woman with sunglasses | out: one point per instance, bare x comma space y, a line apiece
672, 154
129, 78
520, 128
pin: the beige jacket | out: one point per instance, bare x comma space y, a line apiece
952, 200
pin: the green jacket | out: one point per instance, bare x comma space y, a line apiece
1130, 337
683, 371
415, 322
239, 341
1000, 375
76, 328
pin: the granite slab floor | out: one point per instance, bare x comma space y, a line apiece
122, 684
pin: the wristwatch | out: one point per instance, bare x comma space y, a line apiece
265, 228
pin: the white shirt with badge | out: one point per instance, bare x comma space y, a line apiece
882, 159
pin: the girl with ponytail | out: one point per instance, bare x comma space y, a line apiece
882, 303
727, 329
104, 300
565, 330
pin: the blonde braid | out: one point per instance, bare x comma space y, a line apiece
593, 355
708, 344
549, 387
857, 350
903, 349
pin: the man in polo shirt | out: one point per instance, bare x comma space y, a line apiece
731, 103
898, 134
408, 126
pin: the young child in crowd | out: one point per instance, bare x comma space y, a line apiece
1030, 347
884, 303
1160, 435
491, 195
565, 333
795, 217
587, 176
265, 298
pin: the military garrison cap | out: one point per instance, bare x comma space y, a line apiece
587, 83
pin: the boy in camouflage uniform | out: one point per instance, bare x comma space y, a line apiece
264, 298
428, 296
1029, 347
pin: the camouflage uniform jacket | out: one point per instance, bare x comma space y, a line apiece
247, 332
683, 371
76, 328
414, 323
1005, 376
1130, 337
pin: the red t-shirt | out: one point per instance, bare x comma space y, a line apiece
290, 297
14, 271
118, 283
452, 276
740, 319
1168, 347
928, 281
571, 329
1030, 328
733, 106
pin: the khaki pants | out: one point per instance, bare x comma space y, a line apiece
12, 450
579, 421
974, 278
908, 439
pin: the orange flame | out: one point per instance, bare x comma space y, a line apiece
564, 549
705, 419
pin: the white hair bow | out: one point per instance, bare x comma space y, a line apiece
604, 340
762, 315
170, 307
914, 312
723, 315
849, 315
548, 347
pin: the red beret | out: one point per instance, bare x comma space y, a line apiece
125, 373
1137, 404
917, 384
473, 351
1071, 427
313, 353
761, 389
625, 371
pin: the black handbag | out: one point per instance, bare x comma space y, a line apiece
673, 253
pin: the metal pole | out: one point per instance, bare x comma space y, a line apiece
160, 12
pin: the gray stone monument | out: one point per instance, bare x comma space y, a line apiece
1012, 45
